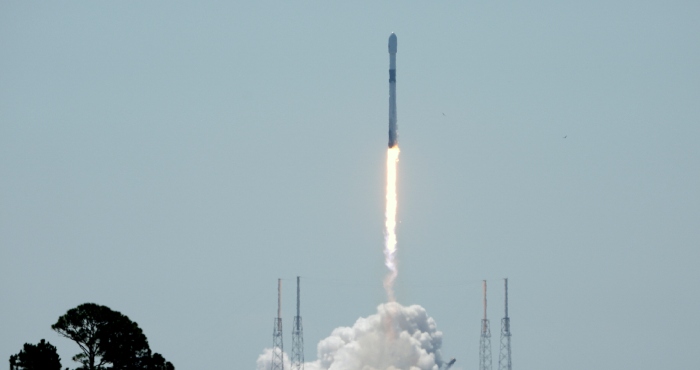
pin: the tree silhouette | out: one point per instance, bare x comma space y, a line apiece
159, 363
107, 337
83, 325
42, 356
124, 344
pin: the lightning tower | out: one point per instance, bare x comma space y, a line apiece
298, 337
485, 343
277, 346
504, 357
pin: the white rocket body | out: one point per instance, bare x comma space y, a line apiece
393, 136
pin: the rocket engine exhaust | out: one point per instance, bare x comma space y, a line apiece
392, 160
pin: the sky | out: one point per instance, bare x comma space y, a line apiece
172, 160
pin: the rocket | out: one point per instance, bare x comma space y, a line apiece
393, 136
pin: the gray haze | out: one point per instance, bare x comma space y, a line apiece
172, 159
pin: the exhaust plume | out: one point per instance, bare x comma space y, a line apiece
392, 160
396, 337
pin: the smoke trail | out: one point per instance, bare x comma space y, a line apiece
413, 343
392, 160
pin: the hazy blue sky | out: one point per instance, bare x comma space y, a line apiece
172, 159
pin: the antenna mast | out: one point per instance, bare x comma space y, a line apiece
485, 343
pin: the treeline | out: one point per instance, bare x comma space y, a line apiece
107, 340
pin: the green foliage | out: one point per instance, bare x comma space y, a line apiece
42, 356
107, 337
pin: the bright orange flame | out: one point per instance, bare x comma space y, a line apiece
392, 160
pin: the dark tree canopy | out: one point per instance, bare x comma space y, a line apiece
158, 363
107, 337
124, 344
42, 356
82, 325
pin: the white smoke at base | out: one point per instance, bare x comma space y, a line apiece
396, 337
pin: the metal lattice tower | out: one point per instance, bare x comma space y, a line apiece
504, 362
485, 343
277, 346
298, 337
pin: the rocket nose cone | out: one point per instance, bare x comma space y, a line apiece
392, 44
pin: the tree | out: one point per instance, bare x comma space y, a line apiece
82, 325
159, 363
105, 337
42, 356
125, 346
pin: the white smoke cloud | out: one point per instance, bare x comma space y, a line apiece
394, 338
265, 360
